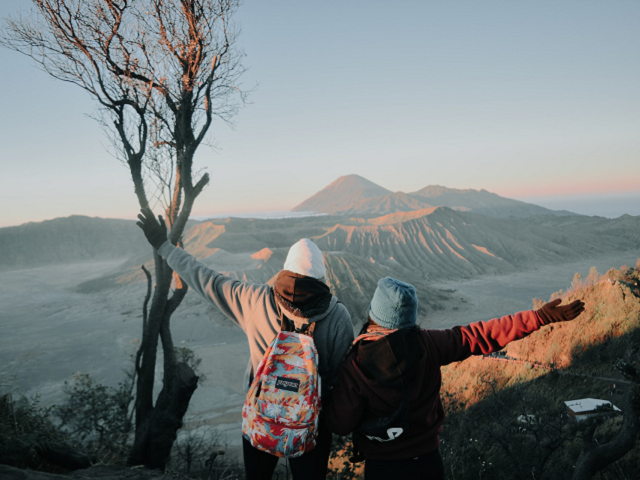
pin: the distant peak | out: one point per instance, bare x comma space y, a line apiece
351, 175
355, 180
342, 194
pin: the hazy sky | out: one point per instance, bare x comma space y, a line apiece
535, 100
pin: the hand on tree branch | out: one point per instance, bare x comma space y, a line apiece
552, 313
154, 230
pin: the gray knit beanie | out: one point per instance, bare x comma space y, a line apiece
394, 304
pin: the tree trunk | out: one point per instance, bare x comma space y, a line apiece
157, 426
594, 458
158, 432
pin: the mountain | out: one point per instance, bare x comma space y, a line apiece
354, 195
68, 240
338, 196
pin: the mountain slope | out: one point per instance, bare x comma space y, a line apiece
480, 201
445, 244
485, 397
68, 240
394, 202
422, 245
353, 280
339, 195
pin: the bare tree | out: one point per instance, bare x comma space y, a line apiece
160, 71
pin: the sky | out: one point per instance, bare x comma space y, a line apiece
538, 101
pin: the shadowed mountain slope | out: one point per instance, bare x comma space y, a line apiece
355, 195
625, 226
71, 239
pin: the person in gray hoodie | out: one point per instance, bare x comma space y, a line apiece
301, 295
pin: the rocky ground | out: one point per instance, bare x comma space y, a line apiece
102, 472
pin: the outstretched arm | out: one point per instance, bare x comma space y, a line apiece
235, 299
458, 343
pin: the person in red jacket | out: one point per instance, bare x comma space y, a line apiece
388, 390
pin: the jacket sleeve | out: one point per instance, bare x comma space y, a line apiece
459, 343
347, 404
237, 300
341, 342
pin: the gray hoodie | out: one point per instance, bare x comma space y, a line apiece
253, 308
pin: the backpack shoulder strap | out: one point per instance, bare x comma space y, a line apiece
286, 325
310, 329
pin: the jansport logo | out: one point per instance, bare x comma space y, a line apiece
289, 384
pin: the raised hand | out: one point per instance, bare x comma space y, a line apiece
552, 312
154, 230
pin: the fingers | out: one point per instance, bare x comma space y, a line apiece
554, 303
573, 314
162, 224
575, 306
578, 309
573, 310
146, 211
147, 217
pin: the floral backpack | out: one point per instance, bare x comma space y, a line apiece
280, 413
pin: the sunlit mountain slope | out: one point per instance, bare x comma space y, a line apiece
441, 243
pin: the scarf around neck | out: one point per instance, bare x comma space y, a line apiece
301, 296
373, 332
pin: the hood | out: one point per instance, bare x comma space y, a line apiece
392, 360
301, 298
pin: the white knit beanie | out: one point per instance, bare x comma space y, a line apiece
305, 258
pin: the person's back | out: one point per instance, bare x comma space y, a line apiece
388, 390
301, 295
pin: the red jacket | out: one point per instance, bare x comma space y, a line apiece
359, 392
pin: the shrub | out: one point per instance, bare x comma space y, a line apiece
99, 418
24, 425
